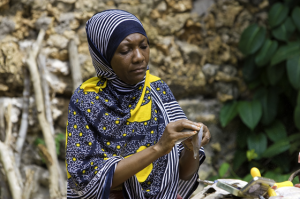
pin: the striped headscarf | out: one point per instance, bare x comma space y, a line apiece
109, 120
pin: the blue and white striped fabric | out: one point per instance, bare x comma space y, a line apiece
100, 128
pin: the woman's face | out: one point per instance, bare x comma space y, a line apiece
131, 58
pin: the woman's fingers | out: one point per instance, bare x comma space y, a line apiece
206, 136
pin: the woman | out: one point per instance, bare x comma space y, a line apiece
123, 124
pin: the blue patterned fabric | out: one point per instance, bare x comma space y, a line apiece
109, 120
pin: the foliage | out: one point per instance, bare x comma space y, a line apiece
270, 116
58, 138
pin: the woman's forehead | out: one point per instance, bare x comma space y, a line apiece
134, 37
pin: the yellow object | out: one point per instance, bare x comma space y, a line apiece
144, 173
283, 184
255, 172
271, 192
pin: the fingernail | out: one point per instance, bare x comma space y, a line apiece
197, 127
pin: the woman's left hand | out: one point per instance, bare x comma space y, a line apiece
205, 138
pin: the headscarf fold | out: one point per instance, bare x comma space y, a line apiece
109, 120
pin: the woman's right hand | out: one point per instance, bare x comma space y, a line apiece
173, 132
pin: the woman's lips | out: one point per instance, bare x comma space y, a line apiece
139, 70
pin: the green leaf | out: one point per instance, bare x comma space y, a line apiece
58, 138
38, 141
250, 113
276, 131
293, 71
250, 71
294, 142
298, 98
297, 116
266, 52
251, 155
277, 14
228, 112
296, 17
223, 169
269, 103
285, 30
284, 52
275, 73
239, 158
258, 142
251, 39
276, 176
277, 148
248, 178
241, 136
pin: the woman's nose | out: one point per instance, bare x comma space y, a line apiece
138, 56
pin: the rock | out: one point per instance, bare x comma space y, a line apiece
180, 5
58, 67
7, 25
190, 52
4, 3
43, 22
210, 70
89, 6
57, 41
3, 87
68, 1
171, 23
161, 7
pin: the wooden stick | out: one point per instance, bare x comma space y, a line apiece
45, 86
54, 177
9, 124
7, 159
28, 184
24, 122
74, 64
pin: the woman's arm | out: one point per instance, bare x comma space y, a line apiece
135, 163
187, 164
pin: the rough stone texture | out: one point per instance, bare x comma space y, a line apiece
194, 50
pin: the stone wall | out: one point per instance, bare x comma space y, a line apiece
197, 55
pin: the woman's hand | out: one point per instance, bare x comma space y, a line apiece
205, 138
173, 132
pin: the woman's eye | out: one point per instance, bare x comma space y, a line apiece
124, 52
144, 46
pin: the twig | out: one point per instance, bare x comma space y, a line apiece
9, 124
28, 184
7, 159
24, 121
2, 124
43, 71
74, 64
56, 191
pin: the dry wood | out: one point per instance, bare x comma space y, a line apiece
45, 154
9, 125
74, 63
6, 156
43, 71
57, 190
28, 184
24, 122
7, 159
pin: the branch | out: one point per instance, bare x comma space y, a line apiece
24, 122
9, 124
74, 64
43, 70
56, 190
28, 184
7, 159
